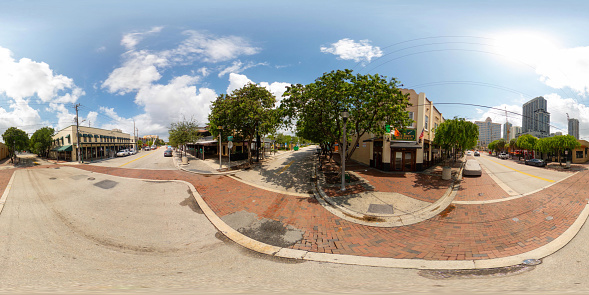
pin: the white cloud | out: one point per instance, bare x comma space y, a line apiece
238, 67
497, 114
276, 88
348, 49
566, 68
176, 100
131, 40
237, 81
64, 117
179, 98
139, 70
27, 78
209, 48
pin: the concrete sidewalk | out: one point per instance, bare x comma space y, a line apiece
461, 237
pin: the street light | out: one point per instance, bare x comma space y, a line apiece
345, 116
220, 128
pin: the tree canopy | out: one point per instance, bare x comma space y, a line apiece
245, 113
41, 141
15, 139
372, 101
457, 134
182, 132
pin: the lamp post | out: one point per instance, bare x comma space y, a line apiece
220, 146
345, 116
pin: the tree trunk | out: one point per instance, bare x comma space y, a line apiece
249, 151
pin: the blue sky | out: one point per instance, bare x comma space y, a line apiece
154, 62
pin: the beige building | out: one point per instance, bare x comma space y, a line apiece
405, 152
3, 151
581, 154
94, 143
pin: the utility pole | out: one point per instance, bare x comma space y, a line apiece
77, 132
134, 137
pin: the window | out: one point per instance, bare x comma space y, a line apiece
426, 122
412, 117
579, 154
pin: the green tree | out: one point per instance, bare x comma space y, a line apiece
41, 141
457, 134
139, 144
371, 100
492, 146
15, 139
245, 113
182, 132
565, 143
527, 142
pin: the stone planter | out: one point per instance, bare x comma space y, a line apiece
446, 173
185, 160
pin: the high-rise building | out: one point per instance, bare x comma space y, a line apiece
536, 118
488, 132
515, 131
507, 131
574, 128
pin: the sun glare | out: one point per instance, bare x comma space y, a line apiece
528, 47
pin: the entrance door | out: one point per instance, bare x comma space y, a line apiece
408, 161
377, 156
398, 161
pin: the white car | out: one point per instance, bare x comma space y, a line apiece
132, 152
503, 156
123, 153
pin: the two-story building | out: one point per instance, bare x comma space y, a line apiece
94, 143
412, 148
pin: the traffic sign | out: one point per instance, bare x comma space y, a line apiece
229, 138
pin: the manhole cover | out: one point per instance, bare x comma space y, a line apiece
106, 184
380, 208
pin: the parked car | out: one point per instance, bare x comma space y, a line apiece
469, 153
167, 153
123, 153
477, 154
146, 148
503, 156
472, 168
132, 152
536, 162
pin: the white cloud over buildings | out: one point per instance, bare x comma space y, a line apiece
349, 49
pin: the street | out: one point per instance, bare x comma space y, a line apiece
71, 230
517, 178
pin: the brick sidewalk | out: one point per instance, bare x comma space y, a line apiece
461, 232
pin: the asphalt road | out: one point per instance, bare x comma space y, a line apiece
153, 159
69, 230
519, 178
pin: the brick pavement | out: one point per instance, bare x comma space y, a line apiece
481, 188
462, 232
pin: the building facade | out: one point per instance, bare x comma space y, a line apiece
405, 152
94, 143
488, 132
574, 128
507, 131
515, 132
536, 118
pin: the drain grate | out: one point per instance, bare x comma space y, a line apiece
380, 209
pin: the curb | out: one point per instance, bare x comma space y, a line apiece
260, 247
420, 215
6, 192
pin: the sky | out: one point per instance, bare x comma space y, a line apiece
146, 64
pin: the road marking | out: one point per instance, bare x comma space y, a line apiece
136, 159
541, 178
286, 167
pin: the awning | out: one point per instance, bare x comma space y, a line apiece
405, 145
373, 139
65, 148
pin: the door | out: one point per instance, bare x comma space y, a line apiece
398, 161
377, 156
408, 161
